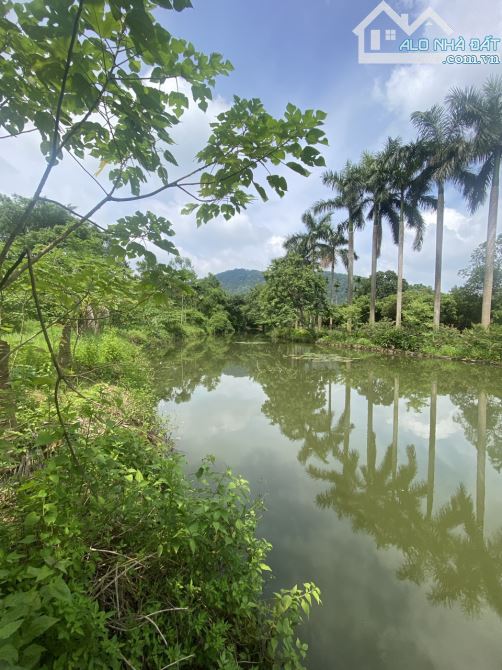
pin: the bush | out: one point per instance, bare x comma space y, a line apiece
219, 324
140, 562
294, 334
111, 356
385, 334
475, 343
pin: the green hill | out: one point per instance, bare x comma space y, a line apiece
240, 280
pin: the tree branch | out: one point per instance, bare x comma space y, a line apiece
55, 362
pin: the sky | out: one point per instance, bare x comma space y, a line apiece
305, 53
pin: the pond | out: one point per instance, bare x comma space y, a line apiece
381, 481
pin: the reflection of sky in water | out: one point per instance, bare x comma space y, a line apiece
370, 620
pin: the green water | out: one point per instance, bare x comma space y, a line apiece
382, 485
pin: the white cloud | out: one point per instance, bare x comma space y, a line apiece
412, 87
415, 424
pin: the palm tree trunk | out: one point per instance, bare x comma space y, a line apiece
350, 267
400, 258
439, 255
395, 426
490, 244
332, 280
431, 467
374, 245
481, 461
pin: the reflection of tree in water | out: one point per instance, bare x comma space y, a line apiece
190, 367
467, 398
447, 550
444, 548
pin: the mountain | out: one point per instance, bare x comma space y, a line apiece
240, 280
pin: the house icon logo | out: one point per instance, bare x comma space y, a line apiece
382, 32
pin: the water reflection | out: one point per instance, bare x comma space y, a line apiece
357, 424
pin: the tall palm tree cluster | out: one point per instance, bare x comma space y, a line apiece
458, 143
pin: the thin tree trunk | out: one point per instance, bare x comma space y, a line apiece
374, 245
439, 255
481, 461
7, 406
350, 267
395, 426
490, 244
400, 259
431, 466
64, 354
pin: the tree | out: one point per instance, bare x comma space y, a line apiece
442, 139
411, 180
307, 244
383, 205
94, 81
293, 292
348, 186
386, 284
469, 297
480, 114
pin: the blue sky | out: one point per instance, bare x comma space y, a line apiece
301, 52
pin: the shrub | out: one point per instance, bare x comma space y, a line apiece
385, 334
293, 334
112, 357
219, 324
138, 561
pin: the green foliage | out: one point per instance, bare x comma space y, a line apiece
148, 564
386, 284
293, 334
385, 334
220, 324
112, 357
294, 292
111, 61
468, 297
471, 344
418, 308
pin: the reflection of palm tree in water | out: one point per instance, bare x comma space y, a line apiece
447, 550
431, 467
443, 547
481, 461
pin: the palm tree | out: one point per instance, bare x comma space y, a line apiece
410, 177
383, 205
437, 130
307, 244
480, 114
332, 247
348, 186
